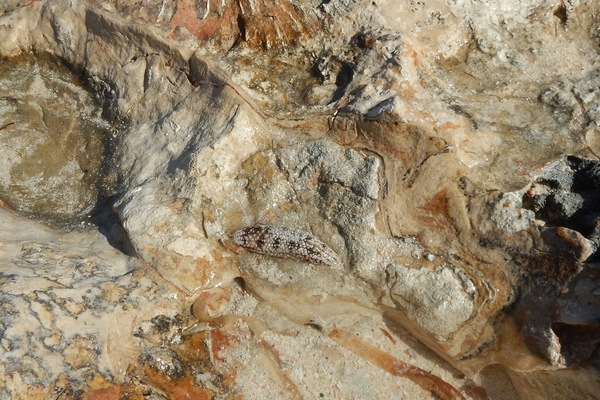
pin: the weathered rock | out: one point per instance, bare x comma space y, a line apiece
425, 145
53, 140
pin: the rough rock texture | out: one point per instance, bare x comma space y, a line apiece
447, 152
49, 119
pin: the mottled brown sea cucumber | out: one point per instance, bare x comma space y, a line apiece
280, 241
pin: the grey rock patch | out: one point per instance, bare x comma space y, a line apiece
436, 300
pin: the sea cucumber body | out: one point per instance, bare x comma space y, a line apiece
279, 241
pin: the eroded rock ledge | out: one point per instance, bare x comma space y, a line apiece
444, 152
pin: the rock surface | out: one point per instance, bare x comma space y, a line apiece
53, 141
447, 152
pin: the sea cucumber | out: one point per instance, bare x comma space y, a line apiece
279, 241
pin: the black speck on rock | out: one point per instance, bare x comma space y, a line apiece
162, 323
165, 362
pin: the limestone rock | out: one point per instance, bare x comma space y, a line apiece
53, 141
443, 151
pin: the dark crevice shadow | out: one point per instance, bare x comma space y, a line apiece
92, 141
569, 196
111, 185
109, 225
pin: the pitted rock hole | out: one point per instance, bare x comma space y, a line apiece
567, 193
54, 165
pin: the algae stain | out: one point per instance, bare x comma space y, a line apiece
54, 144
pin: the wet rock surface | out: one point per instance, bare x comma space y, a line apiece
444, 152
53, 140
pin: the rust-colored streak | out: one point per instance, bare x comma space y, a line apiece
99, 388
388, 335
179, 389
437, 213
107, 393
260, 24
415, 57
475, 392
438, 204
274, 24
186, 16
220, 341
394, 366
6, 204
